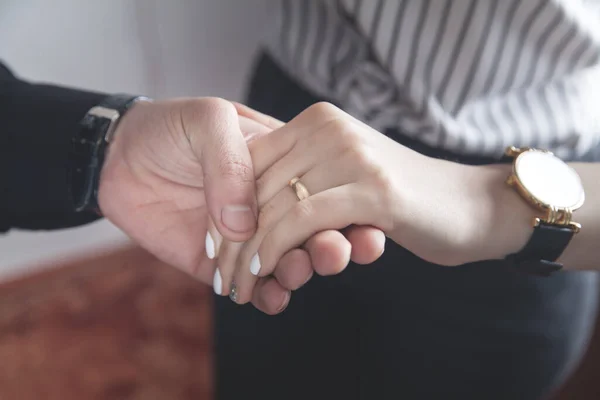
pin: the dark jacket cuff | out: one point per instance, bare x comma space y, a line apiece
36, 125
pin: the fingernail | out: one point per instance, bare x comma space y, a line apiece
308, 279
383, 245
209, 245
255, 264
218, 282
284, 304
233, 294
238, 218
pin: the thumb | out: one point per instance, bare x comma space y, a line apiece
227, 167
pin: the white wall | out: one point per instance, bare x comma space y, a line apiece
154, 47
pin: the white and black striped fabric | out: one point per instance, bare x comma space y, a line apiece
470, 76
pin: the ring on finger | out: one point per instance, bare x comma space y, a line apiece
299, 188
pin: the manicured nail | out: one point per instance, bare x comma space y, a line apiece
233, 294
255, 264
238, 218
209, 245
218, 282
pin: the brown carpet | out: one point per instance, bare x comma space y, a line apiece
118, 326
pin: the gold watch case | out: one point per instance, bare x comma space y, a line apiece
552, 214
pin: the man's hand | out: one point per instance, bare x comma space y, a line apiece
171, 165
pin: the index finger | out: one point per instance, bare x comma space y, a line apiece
250, 113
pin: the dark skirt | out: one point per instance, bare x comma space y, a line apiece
403, 328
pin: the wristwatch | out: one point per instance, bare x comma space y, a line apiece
554, 189
88, 148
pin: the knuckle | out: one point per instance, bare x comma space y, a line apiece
192, 110
377, 174
188, 113
321, 110
212, 105
304, 209
342, 132
233, 167
261, 185
266, 216
364, 158
211, 109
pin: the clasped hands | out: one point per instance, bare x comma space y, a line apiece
317, 231
204, 185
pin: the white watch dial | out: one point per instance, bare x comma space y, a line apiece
549, 179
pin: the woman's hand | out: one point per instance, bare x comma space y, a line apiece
443, 212
327, 251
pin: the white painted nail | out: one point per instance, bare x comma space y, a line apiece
255, 264
218, 282
209, 245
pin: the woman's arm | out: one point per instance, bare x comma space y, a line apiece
446, 213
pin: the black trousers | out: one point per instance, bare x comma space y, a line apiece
403, 328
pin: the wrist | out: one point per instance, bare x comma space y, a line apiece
89, 147
509, 223
457, 214
115, 167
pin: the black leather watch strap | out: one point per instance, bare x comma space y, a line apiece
89, 147
539, 255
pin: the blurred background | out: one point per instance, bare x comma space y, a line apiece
151, 47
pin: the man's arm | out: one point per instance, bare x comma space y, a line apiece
36, 125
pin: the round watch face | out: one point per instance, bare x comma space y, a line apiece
549, 179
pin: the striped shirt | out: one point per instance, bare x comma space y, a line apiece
469, 76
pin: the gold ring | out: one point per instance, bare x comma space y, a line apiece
301, 190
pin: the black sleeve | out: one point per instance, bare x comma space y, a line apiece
36, 124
